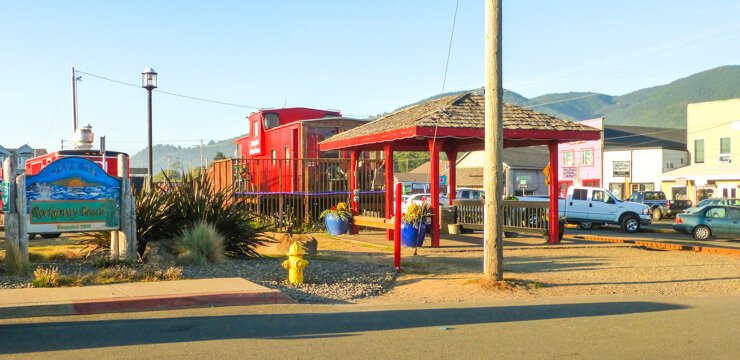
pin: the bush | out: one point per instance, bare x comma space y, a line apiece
194, 200
51, 278
199, 245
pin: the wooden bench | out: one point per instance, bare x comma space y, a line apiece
374, 222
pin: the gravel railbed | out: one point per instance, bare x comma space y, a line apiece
324, 281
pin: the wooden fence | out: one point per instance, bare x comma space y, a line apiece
519, 216
295, 191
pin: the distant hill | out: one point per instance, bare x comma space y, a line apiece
659, 106
185, 156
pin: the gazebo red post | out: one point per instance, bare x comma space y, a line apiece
435, 145
452, 171
554, 193
389, 188
354, 154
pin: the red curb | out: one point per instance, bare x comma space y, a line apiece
665, 246
180, 302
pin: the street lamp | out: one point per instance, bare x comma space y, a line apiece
149, 82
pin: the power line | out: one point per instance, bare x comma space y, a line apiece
170, 93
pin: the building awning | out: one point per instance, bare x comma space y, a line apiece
703, 172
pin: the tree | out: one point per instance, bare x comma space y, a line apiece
219, 156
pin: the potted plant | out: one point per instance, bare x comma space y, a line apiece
337, 219
414, 224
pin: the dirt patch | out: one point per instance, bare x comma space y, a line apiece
435, 275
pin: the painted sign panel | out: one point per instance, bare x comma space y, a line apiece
5, 190
72, 194
621, 168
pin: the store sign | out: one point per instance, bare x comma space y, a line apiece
622, 168
72, 194
569, 173
680, 181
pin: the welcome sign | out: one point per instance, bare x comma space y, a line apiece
72, 194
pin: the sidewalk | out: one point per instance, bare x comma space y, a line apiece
141, 296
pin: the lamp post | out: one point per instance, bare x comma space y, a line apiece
149, 82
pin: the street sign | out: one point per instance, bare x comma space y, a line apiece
523, 178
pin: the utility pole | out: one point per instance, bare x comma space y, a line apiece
493, 247
168, 165
74, 99
201, 155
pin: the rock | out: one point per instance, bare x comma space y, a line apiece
279, 243
158, 253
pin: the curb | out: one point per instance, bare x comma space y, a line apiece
664, 246
150, 303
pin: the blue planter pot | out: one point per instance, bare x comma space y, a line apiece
336, 225
411, 236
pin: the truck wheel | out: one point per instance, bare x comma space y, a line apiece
631, 224
657, 214
586, 225
31, 236
702, 232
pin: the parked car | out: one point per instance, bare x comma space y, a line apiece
714, 201
470, 194
421, 198
659, 206
710, 220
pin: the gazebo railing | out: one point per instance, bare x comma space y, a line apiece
519, 216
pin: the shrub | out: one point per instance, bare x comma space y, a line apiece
153, 220
199, 245
52, 278
194, 200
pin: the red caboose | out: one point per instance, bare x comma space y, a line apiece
279, 143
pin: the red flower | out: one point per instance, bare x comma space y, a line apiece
334, 208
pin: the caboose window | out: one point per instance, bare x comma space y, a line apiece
272, 120
273, 156
256, 125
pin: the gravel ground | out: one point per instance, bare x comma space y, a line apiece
324, 281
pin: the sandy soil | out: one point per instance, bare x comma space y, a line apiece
435, 275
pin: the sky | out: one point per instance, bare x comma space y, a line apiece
361, 57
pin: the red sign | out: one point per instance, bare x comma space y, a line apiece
255, 139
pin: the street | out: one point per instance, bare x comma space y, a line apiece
603, 327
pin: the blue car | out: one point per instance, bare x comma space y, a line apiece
711, 220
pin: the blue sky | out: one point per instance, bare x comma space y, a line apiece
361, 57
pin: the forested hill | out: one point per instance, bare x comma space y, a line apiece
659, 106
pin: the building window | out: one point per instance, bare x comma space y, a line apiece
273, 156
587, 156
699, 151
724, 146
568, 158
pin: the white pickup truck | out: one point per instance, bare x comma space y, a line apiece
589, 207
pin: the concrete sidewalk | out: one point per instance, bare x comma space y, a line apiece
141, 296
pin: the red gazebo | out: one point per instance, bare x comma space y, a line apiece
453, 124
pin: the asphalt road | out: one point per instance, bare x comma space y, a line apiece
583, 327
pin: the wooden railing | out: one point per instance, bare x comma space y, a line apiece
519, 216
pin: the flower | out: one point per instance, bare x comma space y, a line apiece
416, 213
339, 210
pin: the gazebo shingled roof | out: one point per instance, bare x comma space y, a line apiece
458, 116
453, 124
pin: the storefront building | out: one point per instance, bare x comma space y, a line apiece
713, 136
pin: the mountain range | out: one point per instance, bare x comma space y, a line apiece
659, 106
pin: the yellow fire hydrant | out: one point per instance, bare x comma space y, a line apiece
295, 263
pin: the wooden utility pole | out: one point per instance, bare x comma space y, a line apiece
493, 251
